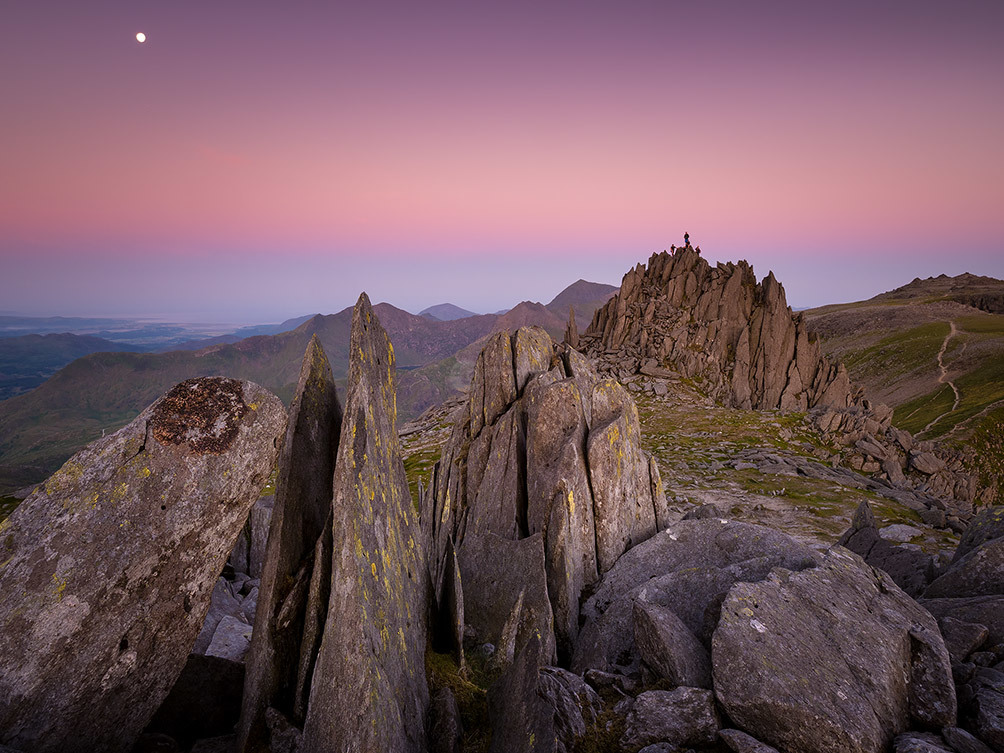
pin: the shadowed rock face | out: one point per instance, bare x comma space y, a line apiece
719, 324
301, 510
108, 567
369, 690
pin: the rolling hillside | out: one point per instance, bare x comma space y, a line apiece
934, 351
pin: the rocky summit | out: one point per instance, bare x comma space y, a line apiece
719, 325
563, 560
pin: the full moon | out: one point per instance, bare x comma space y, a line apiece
141, 37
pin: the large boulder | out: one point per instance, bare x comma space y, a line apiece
302, 507
835, 657
979, 572
688, 569
911, 570
544, 446
369, 690
108, 567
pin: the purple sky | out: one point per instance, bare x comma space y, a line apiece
257, 160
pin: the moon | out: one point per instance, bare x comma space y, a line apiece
140, 37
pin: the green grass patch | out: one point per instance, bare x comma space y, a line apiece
901, 352
989, 324
417, 466
988, 442
919, 412
470, 689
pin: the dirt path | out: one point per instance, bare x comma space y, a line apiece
943, 377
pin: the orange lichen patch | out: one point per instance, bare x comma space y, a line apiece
202, 413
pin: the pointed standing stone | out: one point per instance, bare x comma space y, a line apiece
302, 505
572, 330
369, 690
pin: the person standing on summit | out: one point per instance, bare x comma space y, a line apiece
686, 239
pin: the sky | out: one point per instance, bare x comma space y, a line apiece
253, 161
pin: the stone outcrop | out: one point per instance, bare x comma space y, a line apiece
739, 341
544, 446
685, 569
720, 326
870, 443
834, 657
302, 508
108, 567
369, 690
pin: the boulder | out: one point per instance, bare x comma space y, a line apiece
962, 638
109, 566
982, 610
296, 520
919, 742
874, 659
989, 717
669, 648
961, 741
910, 569
986, 526
978, 573
445, 728
505, 583
686, 568
739, 742
231, 639
681, 717
369, 689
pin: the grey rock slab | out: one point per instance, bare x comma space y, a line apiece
982, 610
739, 742
576, 706
369, 688
520, 718
669, 648
261, 518
222, 603
283, 543
962, 638
688, 568
497, 574
231, 639
835, 657
221, 744
919, 742
681, 717
978, 573
109, 566
986, 526
961, 741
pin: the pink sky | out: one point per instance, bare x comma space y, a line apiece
273, 159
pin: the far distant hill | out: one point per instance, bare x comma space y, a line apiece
28, 360
445, 312
240, 334
103, 391
585, 297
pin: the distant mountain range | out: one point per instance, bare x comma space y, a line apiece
103, 391
445, 312
28, 360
